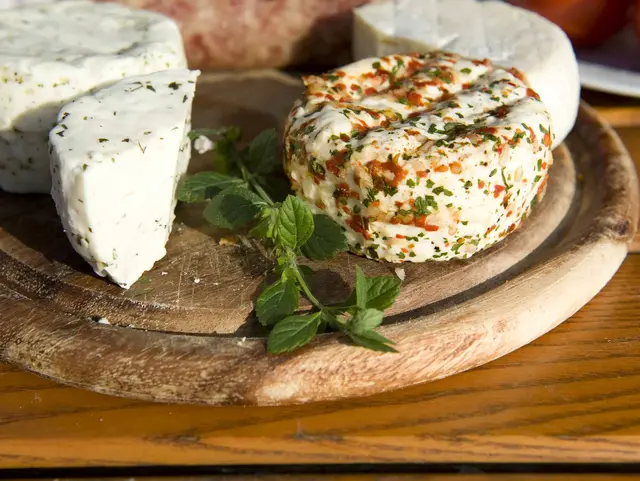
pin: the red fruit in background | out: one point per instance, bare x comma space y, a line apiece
588, 23
636, 19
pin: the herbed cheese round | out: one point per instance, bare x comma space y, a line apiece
53, 53
420, 157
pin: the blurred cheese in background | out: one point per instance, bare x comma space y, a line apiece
507, 35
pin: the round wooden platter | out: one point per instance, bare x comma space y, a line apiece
185, 332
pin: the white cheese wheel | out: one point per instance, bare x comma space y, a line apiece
506, 35
421, 157
53, 53
116, 159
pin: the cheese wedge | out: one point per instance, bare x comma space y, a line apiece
116, 159
422, 157
506, 35
55, 52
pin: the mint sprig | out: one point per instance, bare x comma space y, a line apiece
236, 192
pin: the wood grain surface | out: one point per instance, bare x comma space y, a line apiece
450, 316
572, 395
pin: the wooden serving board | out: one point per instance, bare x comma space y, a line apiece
185, 332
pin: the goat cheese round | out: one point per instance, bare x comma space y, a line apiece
116, 159
507, 35
420, 157
55, 52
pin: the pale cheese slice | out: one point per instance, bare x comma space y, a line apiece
116, 159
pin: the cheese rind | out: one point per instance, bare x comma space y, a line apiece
53, 53
116, 159
508, 36
425, 157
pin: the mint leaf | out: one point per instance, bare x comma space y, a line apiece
266, 225
293, 332
361, 289
233, 207
365, 320
295, 223
204, 185
326, 240
372, 340
263, 152
277, 301
381, 292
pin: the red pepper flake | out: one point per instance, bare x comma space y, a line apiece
412, 132
340, 73
509, 213
345, 191
543, 165
336, 162
422, 174
345, 137
546, 140
511, 228
488, 130
400, 236
455, 167
415, 99
411, 246
517, 74
533, 134
377, 170
331, 97
405, 250
481, 184
357, 223
354, 87
532, 93
466, 86
502, 112
490, 229
318, 94
442, 168
341, 86
497, 190
374, 114
485, 62
370, 91
318, 177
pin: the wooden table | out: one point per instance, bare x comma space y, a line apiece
571, 396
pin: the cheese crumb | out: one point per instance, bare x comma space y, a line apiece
196, 280
400, 273
104, 320
203, 144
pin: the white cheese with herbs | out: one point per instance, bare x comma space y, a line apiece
55, 52
116, 159
506, 35
420, 157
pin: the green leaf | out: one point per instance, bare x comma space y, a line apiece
361, 289
365, 320
204, 185
326, 240
372, 340
293, 332
263, 152
277, 301
266, 225
295, 223
381, 292
233, 207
